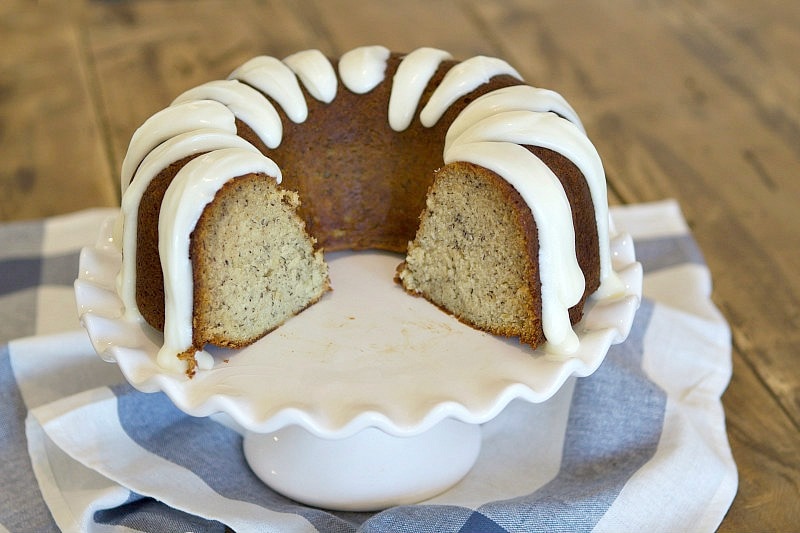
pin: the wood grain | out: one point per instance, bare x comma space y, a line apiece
691, 100
51, 146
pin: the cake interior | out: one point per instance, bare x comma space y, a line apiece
471, 253
254, 264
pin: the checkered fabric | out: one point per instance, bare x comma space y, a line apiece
640, 445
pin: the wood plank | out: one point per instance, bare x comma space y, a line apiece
52, 156
389, 23
766, 448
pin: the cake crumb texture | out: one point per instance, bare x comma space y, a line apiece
472, 253
254, 264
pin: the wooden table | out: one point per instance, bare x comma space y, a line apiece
699, 101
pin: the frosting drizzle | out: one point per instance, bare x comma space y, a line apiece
551, 131
460, 80
247, 104
362, 69
276, 80
316, 73
412, 76
170, 122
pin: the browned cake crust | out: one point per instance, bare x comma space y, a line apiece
149, 275
363, 184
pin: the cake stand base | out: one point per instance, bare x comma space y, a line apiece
368, 471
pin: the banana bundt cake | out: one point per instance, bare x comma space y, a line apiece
489, 187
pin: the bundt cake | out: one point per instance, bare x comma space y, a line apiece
489, 186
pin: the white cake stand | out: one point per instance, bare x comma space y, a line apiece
379, 394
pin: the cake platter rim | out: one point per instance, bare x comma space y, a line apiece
336, 408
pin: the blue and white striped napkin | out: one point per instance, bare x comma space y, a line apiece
639, 445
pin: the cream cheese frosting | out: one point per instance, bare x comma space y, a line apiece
362, 69
462, 79
548, 130
169, 122
316, 73
246, 104
274, 78
412, 76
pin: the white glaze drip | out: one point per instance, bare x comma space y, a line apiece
460, 80
562, 281
273, 78
412, 76
170, 122
192, 189
548, 130
362, 69
168, 152
514, 98
247, 104
316, 73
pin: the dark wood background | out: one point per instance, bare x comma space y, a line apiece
697, 100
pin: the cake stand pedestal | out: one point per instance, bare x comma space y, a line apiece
368, 471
